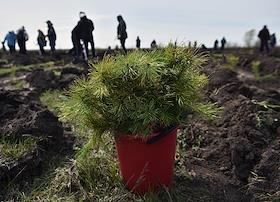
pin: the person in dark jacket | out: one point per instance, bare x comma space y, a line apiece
203, 47
121, 31
273, 40
41, 39
85, 29
154, 45
223, 43
264, 36
76, 40
11, 39
51, 36
3, 47
138, 42
216, 44
22, 37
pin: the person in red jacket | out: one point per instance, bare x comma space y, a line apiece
264, 36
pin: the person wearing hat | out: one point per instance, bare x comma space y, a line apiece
51, 36
84, 32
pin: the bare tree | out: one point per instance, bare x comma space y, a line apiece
249, 37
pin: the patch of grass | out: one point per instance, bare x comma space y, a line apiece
217, 56
274, 197
18, 84
267, 105
231, 61
267, 115
93, 175
15, 149
256, 69
3, 61
44, 65
6, 71
267, 77
47, 64
53, 99
47, 187
57, 72
13, 69
53, 186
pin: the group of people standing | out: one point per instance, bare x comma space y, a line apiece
82, 36
41, 39
267, 41
21, 37
223, 44
12, 38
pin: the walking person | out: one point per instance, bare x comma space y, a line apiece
11, 39
22, 37
51, 36
41, 39
121, 31
264, 36
85, 29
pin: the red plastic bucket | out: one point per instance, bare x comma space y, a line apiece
147, 164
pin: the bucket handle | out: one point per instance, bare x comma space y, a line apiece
161, 135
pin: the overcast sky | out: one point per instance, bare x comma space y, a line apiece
163, 20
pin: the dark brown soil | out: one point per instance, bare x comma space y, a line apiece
41, 80
23, 118
242, 146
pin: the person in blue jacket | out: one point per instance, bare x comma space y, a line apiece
11, 39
